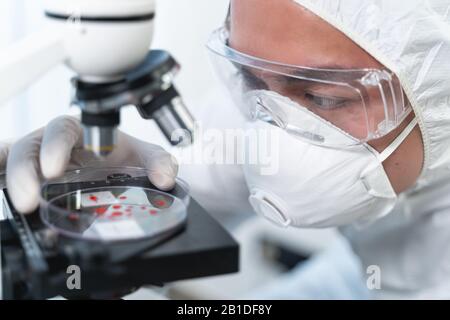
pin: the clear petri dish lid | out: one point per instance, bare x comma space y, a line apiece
111, 204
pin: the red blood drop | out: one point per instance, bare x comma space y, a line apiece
153, 212
117, 206
160, 203
73, 217
143, 207
116, 214
93, 198
100, 210
122, 197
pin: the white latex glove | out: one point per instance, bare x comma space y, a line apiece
52, 150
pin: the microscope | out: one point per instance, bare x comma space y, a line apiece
106, 43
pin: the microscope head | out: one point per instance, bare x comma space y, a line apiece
107, 44
103, 39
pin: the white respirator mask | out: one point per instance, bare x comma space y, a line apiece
321, 187
328, 174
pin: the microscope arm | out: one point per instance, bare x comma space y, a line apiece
25, 61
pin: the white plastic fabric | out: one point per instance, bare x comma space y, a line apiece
411, 38
333, 274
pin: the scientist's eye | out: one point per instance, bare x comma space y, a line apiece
326, 103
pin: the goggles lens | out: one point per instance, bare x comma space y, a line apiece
312, 104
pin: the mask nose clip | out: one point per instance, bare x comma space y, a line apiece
266, 208
260, 111
262, 108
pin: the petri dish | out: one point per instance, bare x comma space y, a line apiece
111, 204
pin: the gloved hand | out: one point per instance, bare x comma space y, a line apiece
52, 150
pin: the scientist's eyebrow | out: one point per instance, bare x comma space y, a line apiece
303, 77
335, 67
332, 72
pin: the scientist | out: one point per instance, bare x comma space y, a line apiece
359, 93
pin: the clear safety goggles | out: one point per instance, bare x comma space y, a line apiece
312, 104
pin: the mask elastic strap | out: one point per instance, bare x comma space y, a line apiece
398, 141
